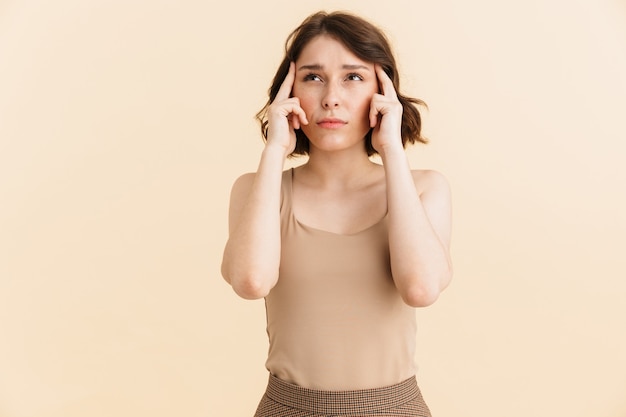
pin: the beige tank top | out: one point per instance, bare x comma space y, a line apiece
335, 320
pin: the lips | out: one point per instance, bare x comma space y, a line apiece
331, 123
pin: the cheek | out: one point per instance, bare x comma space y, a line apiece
307, 102
309, 95
364, 105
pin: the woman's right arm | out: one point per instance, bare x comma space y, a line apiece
252, 253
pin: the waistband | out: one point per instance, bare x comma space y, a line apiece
342, 402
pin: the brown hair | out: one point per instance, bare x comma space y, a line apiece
368, 43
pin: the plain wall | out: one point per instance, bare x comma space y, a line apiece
124, 123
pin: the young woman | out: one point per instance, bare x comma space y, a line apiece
342, 248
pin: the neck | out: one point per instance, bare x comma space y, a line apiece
339, 169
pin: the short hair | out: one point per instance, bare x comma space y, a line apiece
367, 42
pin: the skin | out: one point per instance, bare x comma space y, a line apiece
335, 98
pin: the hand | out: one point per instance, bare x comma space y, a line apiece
285, 115
385, 114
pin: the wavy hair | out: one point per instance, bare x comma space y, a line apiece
368, 43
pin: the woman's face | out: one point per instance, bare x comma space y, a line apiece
335, 89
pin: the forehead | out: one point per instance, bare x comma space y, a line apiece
326, 49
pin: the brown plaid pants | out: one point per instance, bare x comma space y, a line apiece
283, 399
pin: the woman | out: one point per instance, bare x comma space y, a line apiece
341, 248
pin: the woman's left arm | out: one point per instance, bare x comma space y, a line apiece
418, 206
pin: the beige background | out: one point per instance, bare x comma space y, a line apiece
123, 125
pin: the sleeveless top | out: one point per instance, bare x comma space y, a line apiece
335, 319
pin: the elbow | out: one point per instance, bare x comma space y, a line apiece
251, 287
250, 282
424, 293
420, 296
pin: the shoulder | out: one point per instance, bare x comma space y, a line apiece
243, 185
240, 189
243, 182
434, 193
429, 181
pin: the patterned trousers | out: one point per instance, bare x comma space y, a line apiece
283, 399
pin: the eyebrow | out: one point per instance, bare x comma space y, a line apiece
317, 67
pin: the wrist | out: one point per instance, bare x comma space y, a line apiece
392, 150
273, 150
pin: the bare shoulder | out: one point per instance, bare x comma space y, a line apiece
238, 195
243, 184
430, 181
434, 193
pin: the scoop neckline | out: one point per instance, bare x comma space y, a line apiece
323, 231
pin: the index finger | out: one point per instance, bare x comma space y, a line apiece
386, 84
285, 88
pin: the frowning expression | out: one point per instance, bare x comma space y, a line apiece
335, 89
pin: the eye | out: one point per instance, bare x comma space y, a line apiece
354, 77
312, 77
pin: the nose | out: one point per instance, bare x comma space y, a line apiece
331, 97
